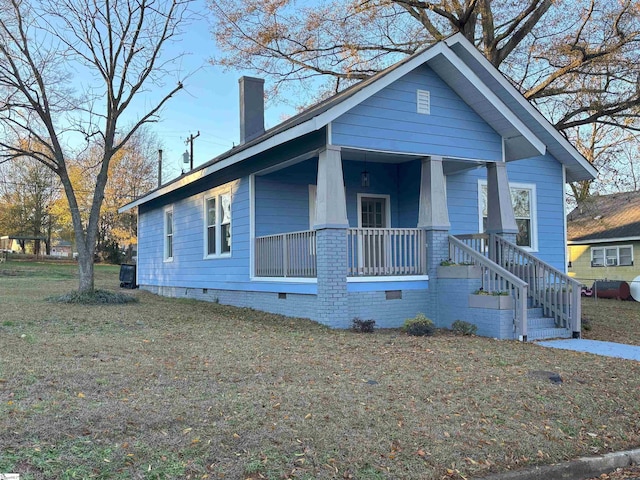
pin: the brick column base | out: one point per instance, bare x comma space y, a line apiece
331, 251
437, 251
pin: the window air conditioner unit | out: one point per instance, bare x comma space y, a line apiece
611, 262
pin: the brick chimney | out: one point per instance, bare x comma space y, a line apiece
251, 108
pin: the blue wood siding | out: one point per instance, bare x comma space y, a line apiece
282, 199
189, 268
389, 121
546, 173
383, 180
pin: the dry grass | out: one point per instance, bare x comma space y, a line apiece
612, 320
167, 388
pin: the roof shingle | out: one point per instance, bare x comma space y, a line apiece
603, 217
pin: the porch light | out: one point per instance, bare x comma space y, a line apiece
364, 179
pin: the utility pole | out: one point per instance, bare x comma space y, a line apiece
189, 141
160, 168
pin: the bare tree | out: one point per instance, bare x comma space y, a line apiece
71, 71
577, 60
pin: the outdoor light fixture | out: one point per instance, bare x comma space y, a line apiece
364, 175
364, 179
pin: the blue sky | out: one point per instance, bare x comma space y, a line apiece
208, 103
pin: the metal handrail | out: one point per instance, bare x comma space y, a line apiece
495, 278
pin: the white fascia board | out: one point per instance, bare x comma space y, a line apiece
603, 240
501, 79
282, 137
498, 104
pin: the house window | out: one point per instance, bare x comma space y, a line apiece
168, 235
612, 256
217, 226
523, 201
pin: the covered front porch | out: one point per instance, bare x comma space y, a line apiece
385, 205
379, 230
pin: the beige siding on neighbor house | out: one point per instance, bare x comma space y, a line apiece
581, 269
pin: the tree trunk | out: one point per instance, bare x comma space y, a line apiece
85, 266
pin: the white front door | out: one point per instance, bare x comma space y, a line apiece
373, 213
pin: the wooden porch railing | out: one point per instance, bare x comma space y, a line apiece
494, 279
286, 255
555, 292
370, 252
386, 252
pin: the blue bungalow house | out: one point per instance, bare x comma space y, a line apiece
432, 187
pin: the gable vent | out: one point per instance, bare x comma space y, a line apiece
424, 102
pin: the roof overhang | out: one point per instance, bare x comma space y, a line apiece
577, 167
589, 241
525, 132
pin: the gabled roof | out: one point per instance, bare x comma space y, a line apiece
526, 133
605, 218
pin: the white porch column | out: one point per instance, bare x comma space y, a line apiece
433, 213
331, 205
433, 217
500, 217
331, 240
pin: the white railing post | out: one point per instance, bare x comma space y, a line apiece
386, 251
496, 278
553, 290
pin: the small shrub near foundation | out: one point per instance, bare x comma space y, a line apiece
362, 326
464, 328
420, 326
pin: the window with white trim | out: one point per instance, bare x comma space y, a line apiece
217, 227
612, 256
523, 201
168, 234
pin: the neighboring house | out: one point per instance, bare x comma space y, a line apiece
603, 237
348, 209
61, 248
9, 244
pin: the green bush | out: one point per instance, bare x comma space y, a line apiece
420, 326
464, 328
362, 326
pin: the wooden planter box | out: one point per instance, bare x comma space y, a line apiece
494, 302
459, 271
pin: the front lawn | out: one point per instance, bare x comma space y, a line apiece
611, 320
168, 388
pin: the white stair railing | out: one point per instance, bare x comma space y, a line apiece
555, 292
495, 279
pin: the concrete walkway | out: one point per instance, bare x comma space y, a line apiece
607, 349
